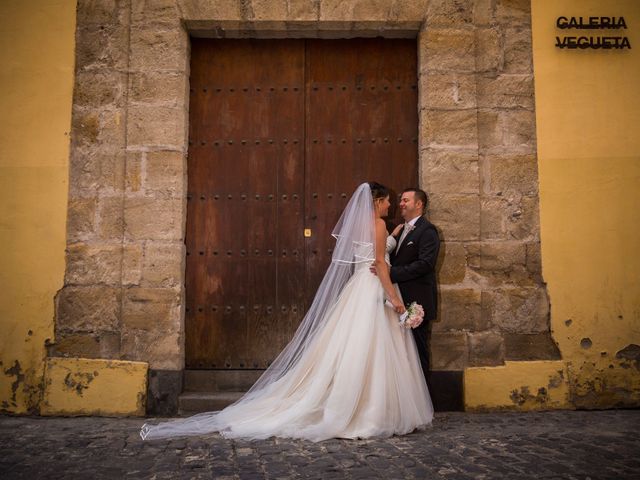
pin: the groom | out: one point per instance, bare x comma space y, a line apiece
413, 265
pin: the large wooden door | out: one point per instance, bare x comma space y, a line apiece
362, 122
281, 133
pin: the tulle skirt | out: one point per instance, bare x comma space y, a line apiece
359, 378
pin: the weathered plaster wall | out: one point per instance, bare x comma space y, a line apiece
587, 111
36, 82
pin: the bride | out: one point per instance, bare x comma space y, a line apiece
351, 369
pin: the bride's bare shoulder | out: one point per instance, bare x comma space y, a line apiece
381, 226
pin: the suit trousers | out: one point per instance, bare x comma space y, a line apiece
421, 336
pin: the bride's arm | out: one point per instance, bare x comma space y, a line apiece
382, 268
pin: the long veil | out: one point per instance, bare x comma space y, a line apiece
355, 243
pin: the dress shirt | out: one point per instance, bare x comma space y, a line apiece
406, 230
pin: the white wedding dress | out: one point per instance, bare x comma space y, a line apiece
359, 377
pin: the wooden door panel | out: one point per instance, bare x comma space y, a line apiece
246, 169
362, 120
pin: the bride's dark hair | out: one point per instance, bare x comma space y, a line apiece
378, 190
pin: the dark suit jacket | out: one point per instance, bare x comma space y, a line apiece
413, 268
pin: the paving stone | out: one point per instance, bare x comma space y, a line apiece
546, 445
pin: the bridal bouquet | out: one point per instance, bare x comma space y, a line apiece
413, 317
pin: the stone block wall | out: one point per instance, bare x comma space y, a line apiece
123, 296
478, 163
123, 293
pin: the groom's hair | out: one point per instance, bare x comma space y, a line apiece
419, 194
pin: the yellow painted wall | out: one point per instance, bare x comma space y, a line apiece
588, 129
36, 82
588, 123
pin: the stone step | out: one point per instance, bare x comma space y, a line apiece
196, 402
211, 390
220, 380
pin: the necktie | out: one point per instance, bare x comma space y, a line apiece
407, 228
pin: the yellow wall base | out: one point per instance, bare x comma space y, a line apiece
521, 386
545, 385
81, 386
604, 383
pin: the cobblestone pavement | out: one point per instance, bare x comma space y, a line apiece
549, 445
